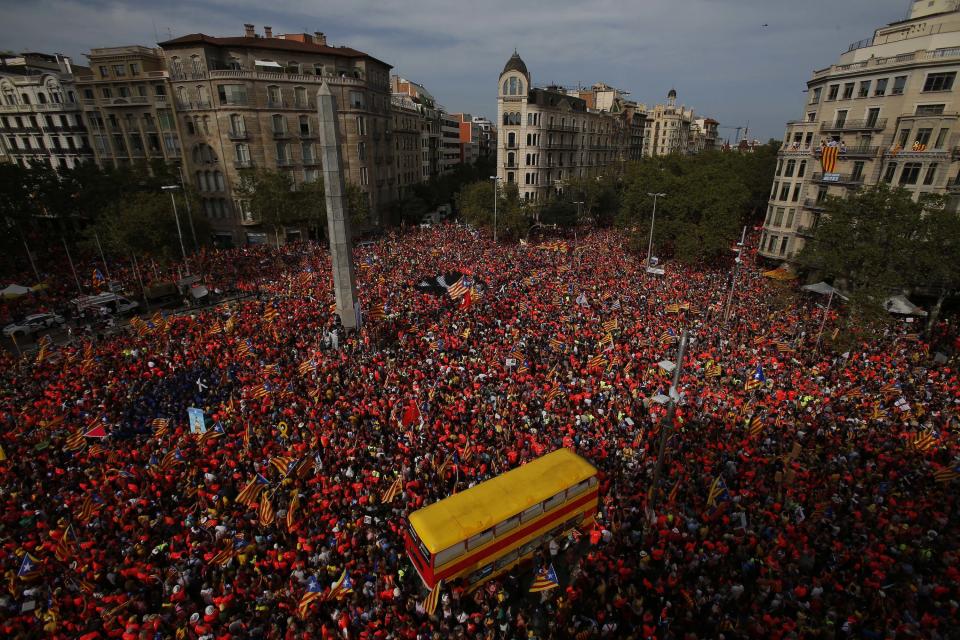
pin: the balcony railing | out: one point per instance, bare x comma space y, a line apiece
852, 152
813, 204
307, 134
838, 178
867, 124
281, 134
237, 135
560, 127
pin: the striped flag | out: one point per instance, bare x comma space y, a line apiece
67, 545
76, 442
267, 516
597, 362
668, 337
271, 314
342, 587
611, 325
271, 369
783, 346
458, 289
29, 567
91, 505
45, 343
292, 510
392, 491
159, 322
442, 467
557, 345
672, 497
925, 440
672, 308
756, 380
606, 341
430, 602
229, 324
756, 426
260, 391
160, 426
718, 491
546, 579
307, 366
714, 370
283, 464
313, 593
947, 474
245, 348
224, 556
552, 394
251, 492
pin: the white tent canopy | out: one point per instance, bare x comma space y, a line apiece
823, 288
900, 305
15, 291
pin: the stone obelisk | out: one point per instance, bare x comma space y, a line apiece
338, 224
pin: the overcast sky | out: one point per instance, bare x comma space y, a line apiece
738, 61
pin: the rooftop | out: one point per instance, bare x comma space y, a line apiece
271, 44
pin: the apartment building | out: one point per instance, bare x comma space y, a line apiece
469, 140
886, 111
668, 128
249, 101
487, 140
407, 120
40, 112
703, 135
549, 135
431, 149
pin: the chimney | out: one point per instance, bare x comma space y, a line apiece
248, 31
319, 38
268, 32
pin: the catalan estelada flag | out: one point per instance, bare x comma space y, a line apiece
430, 602
313, 593
828, 159
29, 567
546, 579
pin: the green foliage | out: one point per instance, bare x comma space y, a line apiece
443, 189
475, 203
559, 211
600, 195
142, 223
358, 208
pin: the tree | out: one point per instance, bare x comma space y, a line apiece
938, 258
272, 198
600, 195
475, 203
559, 211
142, 223
870, 241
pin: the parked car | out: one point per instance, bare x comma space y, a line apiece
33, 323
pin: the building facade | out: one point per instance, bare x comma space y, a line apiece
406, 139
469, 140
548, 136
430, 140
668, 128
487, 141
40, 112
889, 107
703, 135
249, 101
449, 141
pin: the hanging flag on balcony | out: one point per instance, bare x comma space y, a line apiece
828, 159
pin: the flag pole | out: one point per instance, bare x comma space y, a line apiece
668, 422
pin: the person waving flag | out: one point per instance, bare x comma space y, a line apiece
546, 579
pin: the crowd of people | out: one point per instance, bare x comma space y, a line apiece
808, 490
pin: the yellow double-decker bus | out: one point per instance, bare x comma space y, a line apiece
487, 529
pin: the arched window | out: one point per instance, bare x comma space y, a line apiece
234, 64
41, 97
176, 67
183, 96
25, 98
506, 119
510, 159
513, 86
202, 94
506, 85
511, 139
195, 64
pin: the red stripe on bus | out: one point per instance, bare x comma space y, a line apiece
517, 535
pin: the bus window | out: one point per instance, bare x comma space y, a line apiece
445, 556
506, 525
577, 489
507, 559
532, 512
480, 574
480, 539
555, 501
530, 546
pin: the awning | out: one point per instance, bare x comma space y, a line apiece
823, 289
902, 306
15, 291
268, 63
782, 272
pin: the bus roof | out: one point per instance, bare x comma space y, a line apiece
456, 518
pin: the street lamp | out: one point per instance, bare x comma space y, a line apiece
171, 188
186, 199
496, 181
653, 219
736, 269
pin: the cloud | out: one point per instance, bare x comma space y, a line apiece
717, 53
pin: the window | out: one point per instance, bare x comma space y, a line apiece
772, 243
904, 136
931, 174
802, 169
778, 218
219, 180
357, 100
779, 169
134, 68
940, 81
243, 153
195, 65
362, 151
361, 125
942, 138
480, 574
812, 116
898, 85
507, 559
841, 118
864, 89
304, 125
232, 94
821, 194
881, 87
790, 215
796, 192
237, 125
88, 94
910, 173
784, 191
555, 501
923, 137
783, 245
816, 95
165, 119
857, 173
300, 96
791, 165
529, 514
479, 539
848, 90
106, 92
890, 171
873, 115
279, 123
929, 109
580, 487
364, 177
283, 156
507, 525
443, 557
124, 92
104, 72
531, 546
776, 187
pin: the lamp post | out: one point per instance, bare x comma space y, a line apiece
186, 199
653, 219
736, 270
496, 181
674, 398
171, 188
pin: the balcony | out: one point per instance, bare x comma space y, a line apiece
277, 135
840, 178
304, 135
868, 124
276, 104
852, 152
510, 145
243, 164
238, 135
560, 127
813, 204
